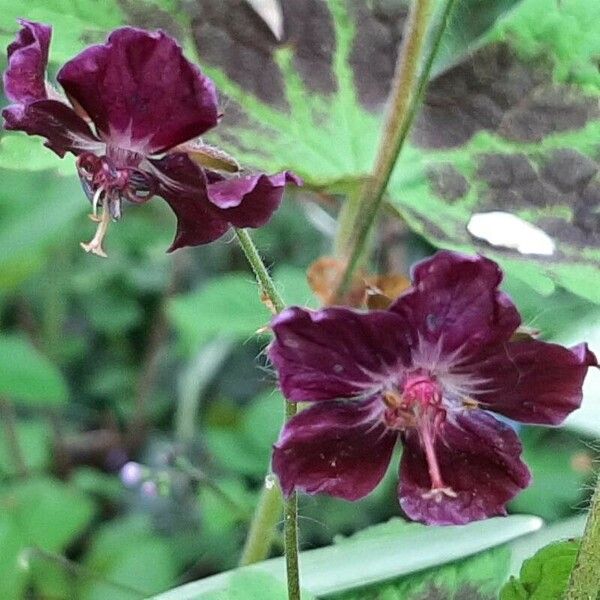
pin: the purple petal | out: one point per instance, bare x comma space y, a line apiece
250, 200
479, 461
25, 77
336, 352
454, 302
533, 381
64, 130
334, 448
183, 185
140, 91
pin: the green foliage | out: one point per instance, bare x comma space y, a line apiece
230, 305
27, 377
40, 512
523, 99
34, 446
544, 576
561, 466
125, 552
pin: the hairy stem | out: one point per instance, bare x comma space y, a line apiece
407, 90
584, 583
267, 514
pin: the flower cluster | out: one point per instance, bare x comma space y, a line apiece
428, 371
132, 110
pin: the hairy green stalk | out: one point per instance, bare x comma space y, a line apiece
268, 510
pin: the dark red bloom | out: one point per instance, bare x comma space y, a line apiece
133, 105
425, 371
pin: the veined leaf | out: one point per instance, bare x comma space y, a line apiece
512, 128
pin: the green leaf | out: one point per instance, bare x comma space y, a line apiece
26, 376
36, 210
513, 128
127, 552
33, 438
40, 512
229, 305
561, 465
545, 575
394, 551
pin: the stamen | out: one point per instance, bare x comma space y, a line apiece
95, 201
95, 245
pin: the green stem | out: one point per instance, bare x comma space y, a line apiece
584, 583
267, 514
407, 90
267, 286
346, 223
262, 528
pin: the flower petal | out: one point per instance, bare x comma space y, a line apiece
533, 381
140, 91
183, 185
64, 130
336, 352
454, 303
250, 200
25, 77
479, 461
335, 448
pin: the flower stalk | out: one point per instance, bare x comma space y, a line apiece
584, 583
268, 509
407, 90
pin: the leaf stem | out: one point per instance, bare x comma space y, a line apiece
262, 528
407, 90
268, 511
584, 583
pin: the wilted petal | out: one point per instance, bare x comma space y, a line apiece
140, 91
64, 130
183, 185
25, 77
479, 461
455, 303
336, 352
533, 381
334, 448
250, 200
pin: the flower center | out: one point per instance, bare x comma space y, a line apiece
419, 406
107, 180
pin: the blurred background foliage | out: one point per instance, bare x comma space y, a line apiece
153, 358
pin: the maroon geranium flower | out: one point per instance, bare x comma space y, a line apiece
132, 110
425, 371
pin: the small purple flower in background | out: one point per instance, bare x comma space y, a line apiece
133, 109
425, 371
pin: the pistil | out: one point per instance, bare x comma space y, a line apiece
95, 245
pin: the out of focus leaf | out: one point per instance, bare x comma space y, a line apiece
544, 575
229, 305
561, 465
127, 552
33, 438
40, 512
26, 376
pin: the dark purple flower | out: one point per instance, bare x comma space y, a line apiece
426, 371
133, 108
